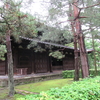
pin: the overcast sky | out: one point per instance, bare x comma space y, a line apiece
37, 6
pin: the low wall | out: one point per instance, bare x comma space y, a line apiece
30, 79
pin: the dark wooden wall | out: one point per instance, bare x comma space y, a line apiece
24, 60
28, 62
32, 61
68, 63
2, 68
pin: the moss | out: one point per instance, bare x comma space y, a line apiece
45, 85
35, 87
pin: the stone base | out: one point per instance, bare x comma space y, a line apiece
30, 79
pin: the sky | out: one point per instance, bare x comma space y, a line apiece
35, 7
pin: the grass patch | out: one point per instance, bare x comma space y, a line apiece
45, 85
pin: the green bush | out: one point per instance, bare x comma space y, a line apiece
92, 72
87, 89
70, 73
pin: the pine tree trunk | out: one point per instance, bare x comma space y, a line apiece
76, 56
76, 78
10, 64
83, 55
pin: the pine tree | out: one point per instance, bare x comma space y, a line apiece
91, 11
14, 23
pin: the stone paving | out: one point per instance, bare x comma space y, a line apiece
32, 75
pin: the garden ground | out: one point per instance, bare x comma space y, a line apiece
34, 88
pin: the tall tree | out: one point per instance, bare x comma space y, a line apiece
91, 11
75, 39
79, 34
14, 23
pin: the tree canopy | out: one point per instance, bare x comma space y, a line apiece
11, 18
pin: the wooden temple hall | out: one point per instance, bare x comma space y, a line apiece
26, 61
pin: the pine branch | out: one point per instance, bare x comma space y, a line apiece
88, 29
2, 21
85, 7
91, 6
76, 6
62, 22
78, 16
5, 21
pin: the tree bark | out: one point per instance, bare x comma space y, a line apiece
10, 65
76, 55
83, 55
76, 78
80, 37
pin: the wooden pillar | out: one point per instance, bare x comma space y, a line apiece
33, 62
50, 65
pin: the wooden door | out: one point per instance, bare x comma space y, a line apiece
25, 60
41, 62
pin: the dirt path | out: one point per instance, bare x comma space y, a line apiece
23, 92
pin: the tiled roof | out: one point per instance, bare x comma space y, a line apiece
54, 44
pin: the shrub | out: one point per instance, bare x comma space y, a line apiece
70, 73
87, 89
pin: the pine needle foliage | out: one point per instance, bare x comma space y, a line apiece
2, 52
11, 18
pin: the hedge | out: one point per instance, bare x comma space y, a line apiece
70, 73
